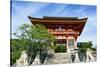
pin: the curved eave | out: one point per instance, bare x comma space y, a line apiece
82, 27
45, 21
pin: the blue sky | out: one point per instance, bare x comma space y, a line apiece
22, 9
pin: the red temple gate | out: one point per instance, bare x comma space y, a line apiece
65, 29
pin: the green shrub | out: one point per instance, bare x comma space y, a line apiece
60, 48
14, 56
16, 48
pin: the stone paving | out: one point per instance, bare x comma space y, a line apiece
58, 58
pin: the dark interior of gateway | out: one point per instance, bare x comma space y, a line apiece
60, 46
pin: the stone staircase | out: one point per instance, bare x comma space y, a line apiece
58, 58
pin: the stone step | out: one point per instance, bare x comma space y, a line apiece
58, 58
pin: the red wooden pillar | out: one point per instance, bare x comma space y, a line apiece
66, 41
75, 37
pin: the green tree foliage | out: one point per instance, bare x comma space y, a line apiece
84, 45
34, 38
94, 49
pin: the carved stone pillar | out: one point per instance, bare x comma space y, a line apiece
77, 60
89, 56
37, 60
